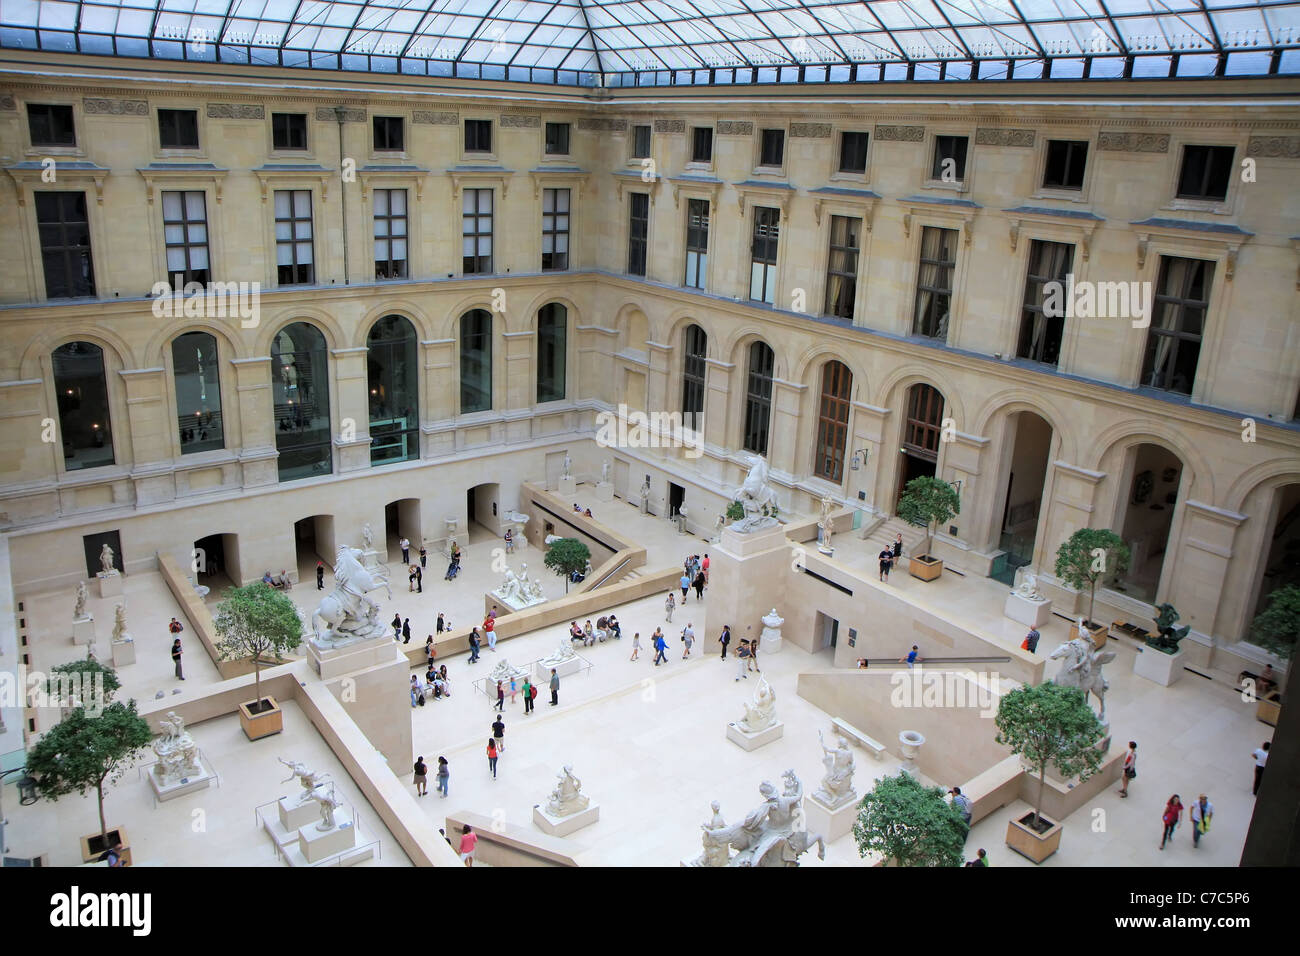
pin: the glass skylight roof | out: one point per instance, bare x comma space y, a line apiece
662, 42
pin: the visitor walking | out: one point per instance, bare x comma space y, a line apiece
688, 638
704, 566
468, 841
1201, 814
530, 692
397, 627
424, 558
1030, 643
176, 657
419, 579
510, 541
742, 659
421, 777
898, 549
963, 805
886, 558
320, 575
1172, 816
490, 629
514, 689
661, 647
636, 645
499, 733
1130, 767
410, 579
699, 585
440, 623
913, 656
725, 639
406, 550
669, 606
474, 645
685, 583
444, 775
1261, 758
406, 630
501, 696
555, 687
492, 756
753, 651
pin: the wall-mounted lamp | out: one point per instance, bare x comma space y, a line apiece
859, 459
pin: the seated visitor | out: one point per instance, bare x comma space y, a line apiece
575, 632
266, 579
614, 628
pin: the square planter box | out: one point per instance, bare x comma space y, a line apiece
1154, 665
1268, 710
1099, 634
925, 568
92, 847
1031, 844
263, 723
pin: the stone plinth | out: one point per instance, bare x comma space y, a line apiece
1154, 665
316, 845
563, 826
1030, 613
123, 653
743, 545
171, 791
748, 741
564, 669
370, 558
110, 583
294, 815
567, 487
330, 662
605, 491
83, 630
748, 575
832, 824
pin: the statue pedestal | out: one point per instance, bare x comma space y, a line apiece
83, 630
330, 662
644, 505
1030, 613
1154, 665
294, 815
605, 491
170, 791
110, 583
543, 672
315, 845
563, 826
123, 653
370, 558
748, 741
749, 575
567, 486
832, 824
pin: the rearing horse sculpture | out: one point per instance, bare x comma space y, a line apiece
347, 611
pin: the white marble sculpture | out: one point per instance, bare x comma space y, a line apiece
563, 652
106, 560
565, 471
604, 471
567, 797
718, 526
504, 671
824, 543
119, 624
1029, 588
773, 834
367, 537
178, 755
310, 779
714, 838
645, 496
757, 497
760, 714
1082, 668
79, 612
531, 588
837, 785
517, 592
328, 803
348, 614
771, 629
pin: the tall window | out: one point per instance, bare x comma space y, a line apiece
178, 129
771, 149
1206, 172
552, 339
640, 142
924, 424
557, 139
853, 152
833, 421
934, 282
1177, 324
476, 232
389, 134
1042, 321
85, 426
702, 144
390, 233
758, 397
637, 233
695, 344
300, 389
64, 231
555, 230
51, 125
842, 266
288, 130
475, 361
185, 233
697, 242
195, 373
393, 370
294, 259
762, 270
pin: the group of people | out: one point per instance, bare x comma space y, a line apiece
436, 684
578, 510
606, 627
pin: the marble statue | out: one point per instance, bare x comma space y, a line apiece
106, 560
837, 786
79, 612
511, 590
824, 544
757, 497
367, 537
504, 670
347, 612
328, 802
310, 779
1083, 630
566, 470
773, 834
1029, 588
604, 472
771, 629
563, 652
761, 713
119, 624
716, 850
178, 755
567, 797
1082, 668
531, 588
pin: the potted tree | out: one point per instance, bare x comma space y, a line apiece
1086, 557
84, 683
566, 556
1047, 724
253, 620
83, 753
927, 502
909, 824
1276, 629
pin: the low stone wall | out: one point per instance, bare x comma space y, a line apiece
506, 844
197, 614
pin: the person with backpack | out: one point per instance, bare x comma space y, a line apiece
1130, 767
1172, 816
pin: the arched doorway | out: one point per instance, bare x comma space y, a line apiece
1282, 558
215, 562
922, 427
313, 540
1027, 447
1147, 516
402, 520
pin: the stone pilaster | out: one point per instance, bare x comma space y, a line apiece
1196, 581
352, 416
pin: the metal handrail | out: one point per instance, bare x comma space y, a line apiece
601, 580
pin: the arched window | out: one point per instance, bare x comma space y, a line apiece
833, 421
84, 422
758, 397
301, 390
695, 345
475, 361
196, 375
552, 339
393, 373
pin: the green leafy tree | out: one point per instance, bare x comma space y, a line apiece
912, 824
253, 620
83, 753
928, 502
1089, 555
1050, 724
567, 556
1277, 627
88, 682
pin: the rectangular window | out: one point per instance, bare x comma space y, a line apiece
295, 263
637, 233
842, 266
771, 150
555, 230
390, 233
1177, 323
762, 270
1066, 159
758, 398
64, 230
833, 422
51, 125
289, 130
476, 232
178, 129
1206, 172
389, 134
478, 136
853, 152
640, 142
949, 159
185, 234
557, 139
697, 243
1042, 321
694, 368
702, 144
934, 282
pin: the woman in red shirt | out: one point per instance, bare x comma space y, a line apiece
492, 756
1173, 814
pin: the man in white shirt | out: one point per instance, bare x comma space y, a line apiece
405, 545
688, 638
1202, 814
1261, 758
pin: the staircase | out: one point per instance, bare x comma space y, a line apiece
883, 537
